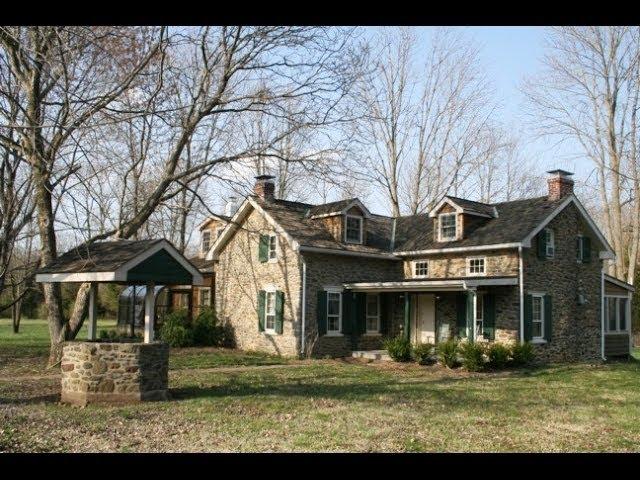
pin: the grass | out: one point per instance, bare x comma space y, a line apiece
335, 406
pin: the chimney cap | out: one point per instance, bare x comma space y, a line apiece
264, 178
560, 172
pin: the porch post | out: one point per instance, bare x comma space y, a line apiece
93, 311
407, 316
149, 312
471, 315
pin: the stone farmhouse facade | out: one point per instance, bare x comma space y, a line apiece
298, 279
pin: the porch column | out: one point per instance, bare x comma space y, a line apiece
149, 312
93, 311
471, 315
407, 315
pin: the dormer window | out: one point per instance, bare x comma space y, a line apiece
206, 241
448, 229
353, 229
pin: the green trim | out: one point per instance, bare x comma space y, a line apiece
160, 268
261, 306
263, 248
489, 316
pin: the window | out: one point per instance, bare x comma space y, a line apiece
479, 315
537, 317
420, 268
219, 231
476, 266
447, 223
273, 248
206, 241
334, 307
373, 313
270, 312
205, 297
353, 230
579, 248
549, 243
617, 314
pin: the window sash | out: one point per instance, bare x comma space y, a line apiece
206, 241
273, 253
537, 317
372, 319
616, 314
334, 307
421, 269
270, 311
476, 266
205, 293
353, 229
448, 226
550, 248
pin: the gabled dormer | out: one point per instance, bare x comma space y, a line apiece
210, 230
346, 220
455, 218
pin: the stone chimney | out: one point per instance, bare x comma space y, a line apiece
265, 187
560, 184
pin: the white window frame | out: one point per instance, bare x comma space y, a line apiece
275, 250
627, 313
206, 233
346, 221
376, 331
455, 224
269, 291
549, 241
479, 298
200, 291
541, 297
414, 265
484, 266
338, 332
219, 231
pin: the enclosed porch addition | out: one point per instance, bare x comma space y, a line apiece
432, 311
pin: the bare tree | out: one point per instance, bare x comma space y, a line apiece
588, 95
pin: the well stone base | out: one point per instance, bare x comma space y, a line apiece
114, 373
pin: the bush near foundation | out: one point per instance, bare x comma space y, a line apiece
473, 356
521, 354
424, 353
498, 354
175, 330
447, 353
398, 348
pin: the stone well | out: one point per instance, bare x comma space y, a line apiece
114, 373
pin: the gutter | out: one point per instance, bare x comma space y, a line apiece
332, 251
303, 309
521, 282
602, 314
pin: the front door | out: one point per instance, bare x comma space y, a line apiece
425, 319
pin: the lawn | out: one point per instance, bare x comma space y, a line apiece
327, 405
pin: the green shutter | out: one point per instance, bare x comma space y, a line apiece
489, 316
321, 312
263, 248
279, 311
470, 314
361, 313
407, 315
348, 311
261, 305
461, 315
548, 313
541, 240
386, 312
528, 314
586, 249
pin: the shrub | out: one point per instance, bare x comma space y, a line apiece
108, 335
498, 354
447, 353
399, 348
174, 330
472, 356
423, 353
522, 354
206, 331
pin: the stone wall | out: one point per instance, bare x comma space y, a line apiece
239, 277
498, 263
96, 372
334, 270
576, 329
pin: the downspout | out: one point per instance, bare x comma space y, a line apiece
521, 284
303, 308
602, 314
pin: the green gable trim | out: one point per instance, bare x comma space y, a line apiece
160, 268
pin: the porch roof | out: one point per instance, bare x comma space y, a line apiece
449, 284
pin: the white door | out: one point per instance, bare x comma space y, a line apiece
425, 319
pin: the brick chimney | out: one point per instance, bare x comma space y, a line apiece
265, 187
560, 184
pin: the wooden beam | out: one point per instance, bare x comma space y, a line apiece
93, 311
149, 312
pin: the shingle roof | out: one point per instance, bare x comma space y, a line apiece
332, 207
201, 263
98, 256
472, 206
516, 219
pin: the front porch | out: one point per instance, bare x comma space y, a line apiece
432, 311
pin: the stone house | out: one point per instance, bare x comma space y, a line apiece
326, 280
